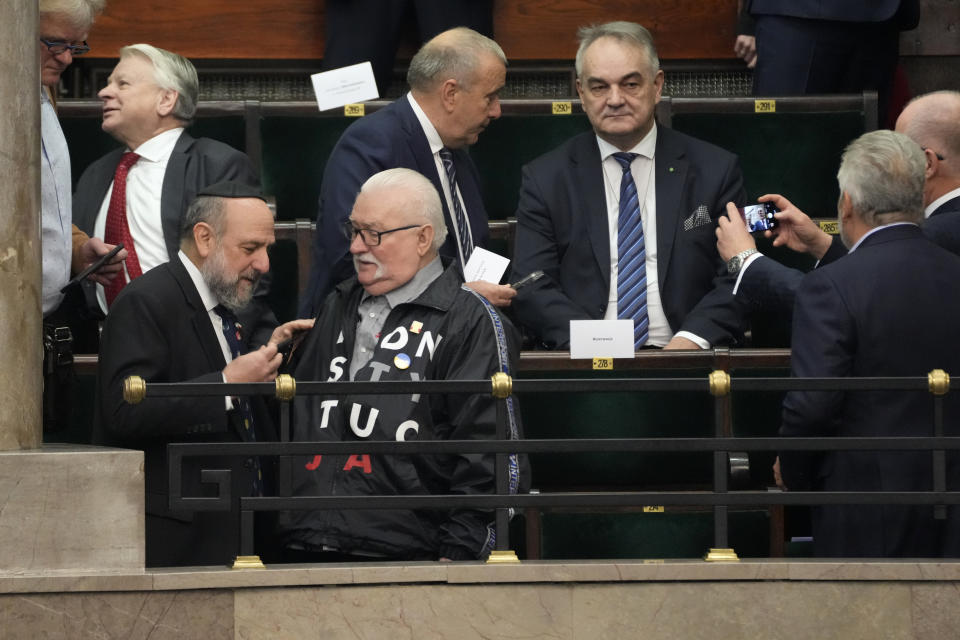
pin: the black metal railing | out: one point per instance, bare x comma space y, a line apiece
719, 384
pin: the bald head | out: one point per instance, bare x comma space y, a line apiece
933, 122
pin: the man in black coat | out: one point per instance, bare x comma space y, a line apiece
176, 324
882, 310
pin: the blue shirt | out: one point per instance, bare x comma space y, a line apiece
55, 205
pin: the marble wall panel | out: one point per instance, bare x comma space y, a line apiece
71, 508
153, 615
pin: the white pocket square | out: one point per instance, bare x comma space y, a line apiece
699, 218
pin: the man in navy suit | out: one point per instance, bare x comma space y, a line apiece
883, 310
454, 81
812, 46
570, 212
764, 284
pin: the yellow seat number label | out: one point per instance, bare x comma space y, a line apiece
764, 106
603, 364
562, 108
354, 110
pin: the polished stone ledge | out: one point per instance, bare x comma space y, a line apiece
479, 573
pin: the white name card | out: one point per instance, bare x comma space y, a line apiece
345, 85
601, 339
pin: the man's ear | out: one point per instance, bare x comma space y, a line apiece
845, 207
448, 94
204, 239
425, 239
166, 102
933, 163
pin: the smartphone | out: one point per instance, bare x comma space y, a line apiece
759, 217
102, 260
530, 278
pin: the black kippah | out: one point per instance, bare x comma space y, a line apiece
231, 189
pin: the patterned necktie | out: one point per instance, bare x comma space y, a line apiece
632, 255
118, 230
459, 216
231, 331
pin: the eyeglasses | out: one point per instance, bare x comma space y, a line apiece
56, 47
370, 237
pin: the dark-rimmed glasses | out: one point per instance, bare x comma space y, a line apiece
56, 47
370, 237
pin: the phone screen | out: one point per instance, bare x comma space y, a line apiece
759, 217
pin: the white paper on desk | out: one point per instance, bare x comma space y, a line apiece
601, 339
345, 85
485, 265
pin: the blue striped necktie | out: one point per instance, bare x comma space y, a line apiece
459, 215
632, 255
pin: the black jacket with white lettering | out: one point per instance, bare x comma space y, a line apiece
447, 333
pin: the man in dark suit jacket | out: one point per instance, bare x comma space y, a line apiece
454, 83
169, 326
568, 213
880, 311
150, 97
765, 285
813, 46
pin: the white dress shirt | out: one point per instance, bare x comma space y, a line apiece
55, 205
209, 303
144, 187
436, 144
643, 170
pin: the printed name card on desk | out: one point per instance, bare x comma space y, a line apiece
344, 86
601, 339
485, 265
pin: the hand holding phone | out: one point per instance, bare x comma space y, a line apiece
528, 279
759, 217
94, 267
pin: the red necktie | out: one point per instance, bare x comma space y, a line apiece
117, 229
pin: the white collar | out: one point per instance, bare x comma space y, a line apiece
159, 146
936, 204
209, 301
433, 138
646, 147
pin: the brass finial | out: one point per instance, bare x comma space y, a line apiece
719, 383
134, 389
502, 385
286, 387
939, 382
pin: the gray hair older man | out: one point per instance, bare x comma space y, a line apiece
887, 309
139, 193
406, 315
620, 218
455, 80
65, 250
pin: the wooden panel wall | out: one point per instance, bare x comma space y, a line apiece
294, 29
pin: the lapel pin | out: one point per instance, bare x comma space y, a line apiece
416, 326
401, 361
670, 169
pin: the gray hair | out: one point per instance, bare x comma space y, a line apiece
171, 71
80, 13
420, 197
629, 33
936, 123
456, 54
883, 173
209, 209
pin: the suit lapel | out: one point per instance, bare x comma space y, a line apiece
671, 175
171, 194
209, 342
588, 174
950, 206
87, 214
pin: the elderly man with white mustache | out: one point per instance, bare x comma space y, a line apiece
407, 315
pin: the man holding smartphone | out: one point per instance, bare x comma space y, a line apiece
63, 28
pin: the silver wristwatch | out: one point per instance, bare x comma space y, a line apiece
735, 263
